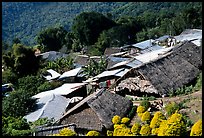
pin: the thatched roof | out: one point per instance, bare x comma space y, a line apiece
97, 110
175, 69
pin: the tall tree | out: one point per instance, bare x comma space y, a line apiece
52, 38
88, 25
22, 60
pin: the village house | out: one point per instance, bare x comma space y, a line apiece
172, 70
95, 112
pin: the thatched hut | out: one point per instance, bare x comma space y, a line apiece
177, 68
95, 112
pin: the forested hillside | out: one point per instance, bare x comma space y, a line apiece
24, 20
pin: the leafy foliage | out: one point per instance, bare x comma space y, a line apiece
146, 117
196, 130
157, 119
145, 103
125, 120
12, 126
93, 133
18, 103
116, 119
122, 130
88, 25
174, 126
145, 130
66, 132
52, 38
136, 128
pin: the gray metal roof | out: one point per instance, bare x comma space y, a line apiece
50, 106
144, 44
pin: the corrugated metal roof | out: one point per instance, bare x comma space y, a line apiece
53, 73
52, 55
162, 38
152, 55
152, 48
121, 73
127, 63
62, 90
70, 73
190, 34
144, 44
47, 107
108, 73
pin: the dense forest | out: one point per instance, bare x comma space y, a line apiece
70, 27
25, 20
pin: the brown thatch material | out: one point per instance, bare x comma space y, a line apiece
97, 110
172, 71
111, 50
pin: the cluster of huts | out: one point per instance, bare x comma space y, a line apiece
144, 68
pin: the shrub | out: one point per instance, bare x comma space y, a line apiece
125, 120
145, 103
146, 117
196, 129
155, 131
122, 130
141, 109
116, 119
171, 108
132, 112
136, 128
140, 115
145, 130
157, 119
174, 126
109, 133
67, 132
93, 133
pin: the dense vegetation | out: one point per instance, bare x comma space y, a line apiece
71, 27
25, 20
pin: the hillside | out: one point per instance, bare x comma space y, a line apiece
25, 20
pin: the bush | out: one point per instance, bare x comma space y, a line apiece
116, 119
141, 109
145, 130
174, 126
155, 131
93, 133
12, 126
157, 119
140, 115
132, 112
136, 128
146, 117
122, 130
196, 129
145, 103
67, 132
125, 120
109, 133
171, 108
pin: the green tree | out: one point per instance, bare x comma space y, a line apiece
88, 25
52, 38
18, 103
21, 60
12, 126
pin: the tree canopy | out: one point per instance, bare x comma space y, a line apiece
88, 25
